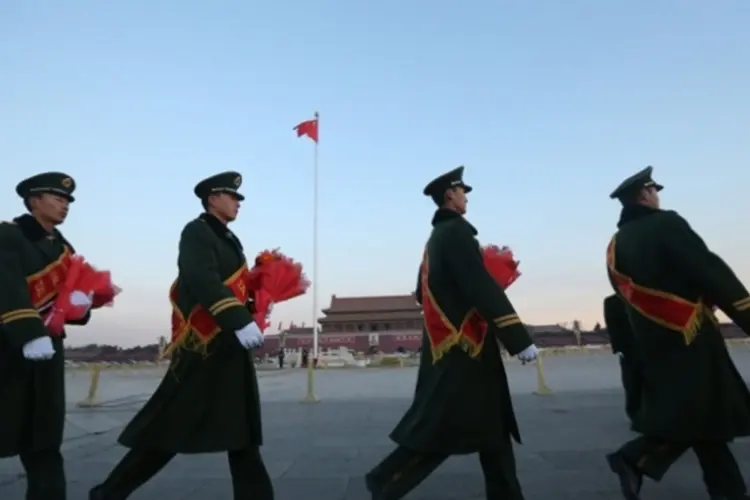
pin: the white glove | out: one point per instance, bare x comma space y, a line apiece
528, 354
80, 299
620, 355
250, 336
39, 349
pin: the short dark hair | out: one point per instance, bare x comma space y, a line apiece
26, 201
204, 203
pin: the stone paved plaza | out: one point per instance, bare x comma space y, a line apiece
322, 451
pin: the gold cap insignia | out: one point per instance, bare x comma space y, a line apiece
238, 180
67, 182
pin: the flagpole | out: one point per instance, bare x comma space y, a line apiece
315, 244
310, 397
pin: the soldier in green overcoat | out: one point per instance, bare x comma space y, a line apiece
693, 396
462, 402
34, 257
622, 340
208, 400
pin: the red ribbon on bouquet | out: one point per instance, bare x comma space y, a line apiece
274, 278
83, 277
501, 264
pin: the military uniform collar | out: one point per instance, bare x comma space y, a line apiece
31, 228
445, 214
215, 224
633, 212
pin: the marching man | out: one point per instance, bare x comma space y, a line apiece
34, 257
208, 401
462, 401
693, 397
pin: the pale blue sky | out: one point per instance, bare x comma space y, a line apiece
548, 103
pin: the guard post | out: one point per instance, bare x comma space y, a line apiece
91, 401
542, 389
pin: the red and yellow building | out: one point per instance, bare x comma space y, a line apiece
388, 323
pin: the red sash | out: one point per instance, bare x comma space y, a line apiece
200, 320
666, 309
44, 285
442, 333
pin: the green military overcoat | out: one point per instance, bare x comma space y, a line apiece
622, 340
621, 337
692, 390
32, 393
208, 400
462, 402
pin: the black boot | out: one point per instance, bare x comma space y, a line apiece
630, 479
100, 493
97, 493
374, 488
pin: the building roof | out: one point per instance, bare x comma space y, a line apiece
594, 338
365, 317
547, 329
369, 304
297, 330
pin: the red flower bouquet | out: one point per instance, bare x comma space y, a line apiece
501, 264
81, 276
274, 278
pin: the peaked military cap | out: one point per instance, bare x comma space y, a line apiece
48, 182
225, 182
439, 185
635, 183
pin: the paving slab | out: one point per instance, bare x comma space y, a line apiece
322, 451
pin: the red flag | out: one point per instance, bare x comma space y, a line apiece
308, 128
